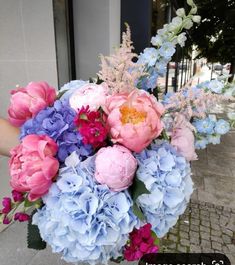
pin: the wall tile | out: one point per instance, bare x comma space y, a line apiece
11, 32
43, 71
39, 29
11, 74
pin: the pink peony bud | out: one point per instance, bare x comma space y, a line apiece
115, 167
27, 101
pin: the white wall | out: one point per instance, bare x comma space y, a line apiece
27, 53
96, 31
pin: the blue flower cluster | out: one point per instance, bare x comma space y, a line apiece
83, 220
209, 131
166, 175
214, 86
58, 123
155, 63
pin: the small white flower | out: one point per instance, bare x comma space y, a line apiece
175, 23
231, 115
156, 41
188, 23
193, 10
190, 2
181, 39
180, 12
196, 19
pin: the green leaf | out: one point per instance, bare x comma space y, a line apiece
34, 239
137, 212
156, 239
138, 188
60, 94
117, 260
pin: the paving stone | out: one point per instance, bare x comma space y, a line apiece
184, 242
227, 239
173, 238
216, 246
216, 232
205, 236
217, 239
204, 229
195, 222
205, 244
195, 248
184, 235
205, 223
182, 249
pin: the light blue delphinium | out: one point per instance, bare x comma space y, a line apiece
222, 127
201, 143
166, 175
205, 126
84, 220
148, 57
149, 81
213, 138
167, 50
215, 86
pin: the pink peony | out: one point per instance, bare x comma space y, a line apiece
183, 139
33, 166
134, 119
89, 94
115, 167
27, 101
141, 242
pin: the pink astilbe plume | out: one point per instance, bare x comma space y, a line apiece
119, 71
193, 102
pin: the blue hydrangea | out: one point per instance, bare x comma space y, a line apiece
222, 127
70, 87
58, 123
84, 220
166, 175
213, 138
201, 143
205, 126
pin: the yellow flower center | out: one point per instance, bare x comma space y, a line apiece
131, 115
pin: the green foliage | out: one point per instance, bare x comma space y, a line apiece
215, 35
33, 238
138, 188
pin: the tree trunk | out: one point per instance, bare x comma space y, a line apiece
232, 71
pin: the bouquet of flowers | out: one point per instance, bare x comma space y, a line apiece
105, 164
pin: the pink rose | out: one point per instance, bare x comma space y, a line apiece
183, 139
115, 167
89, 94
134, 119
27, 101
33, 166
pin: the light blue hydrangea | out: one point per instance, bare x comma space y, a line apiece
213, 138
70, 87
201, 143
148, 57
205, 126
222, 127
83, 220
166, 175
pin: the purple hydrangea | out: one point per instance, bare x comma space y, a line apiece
58, 123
